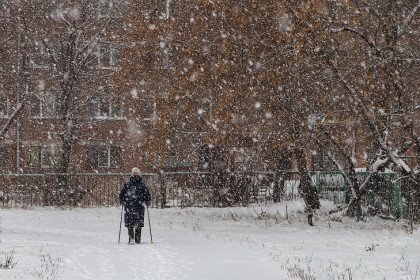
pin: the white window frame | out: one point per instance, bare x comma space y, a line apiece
153, 113
172, 10
110, 55
108, 154
40, 52
98, 102
106, 9
108, 151
49, 150
44, 100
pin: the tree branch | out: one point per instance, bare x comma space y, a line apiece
361, 35
13, 116
408, 20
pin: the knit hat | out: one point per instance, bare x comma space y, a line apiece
135, 171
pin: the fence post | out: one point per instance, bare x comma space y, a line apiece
162, 190
317, 176
276, 190
372, 197
397, 188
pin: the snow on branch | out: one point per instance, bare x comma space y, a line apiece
393, 155
378, 164
341, 169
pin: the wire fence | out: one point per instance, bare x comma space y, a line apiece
388, 195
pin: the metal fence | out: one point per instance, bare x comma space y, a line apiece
84, 189
388, 194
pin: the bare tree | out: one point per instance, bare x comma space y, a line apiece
77, 51
379, 79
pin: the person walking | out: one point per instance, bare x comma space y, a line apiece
135, 196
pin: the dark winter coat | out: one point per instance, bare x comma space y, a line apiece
134, 196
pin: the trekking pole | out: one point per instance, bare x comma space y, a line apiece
119, 235
150, 228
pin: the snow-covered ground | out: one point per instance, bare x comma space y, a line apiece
256, 242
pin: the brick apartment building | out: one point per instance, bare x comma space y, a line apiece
108, 128
111, 127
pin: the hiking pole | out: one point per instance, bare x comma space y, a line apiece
150, 228
119, 234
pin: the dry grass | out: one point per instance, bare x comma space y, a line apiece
7, 260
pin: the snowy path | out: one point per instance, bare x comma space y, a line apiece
83, 243
230, 243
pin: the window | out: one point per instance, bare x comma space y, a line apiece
168, 8
285, 161
175, 162
42, 8
206, 157
105, 108
106, 8
44, 156
149, 107
321, 162
38, 56
4, 105
43, 106
3, 156
104, 157
168, 58
109, 56
173, 7
105, 56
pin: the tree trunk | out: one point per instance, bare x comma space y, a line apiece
62, 178
354, 208
67, 137
306, 190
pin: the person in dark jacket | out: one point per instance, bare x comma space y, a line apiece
135, 196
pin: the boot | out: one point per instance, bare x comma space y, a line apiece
138, 235
310, 222
130, 235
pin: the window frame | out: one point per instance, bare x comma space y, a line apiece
39, 54
108, 151
44, 101
107, 52
98, 102
106, 9
43, 8
45, 156
321, 162
149, 107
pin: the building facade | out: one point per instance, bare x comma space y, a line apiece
58, 60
